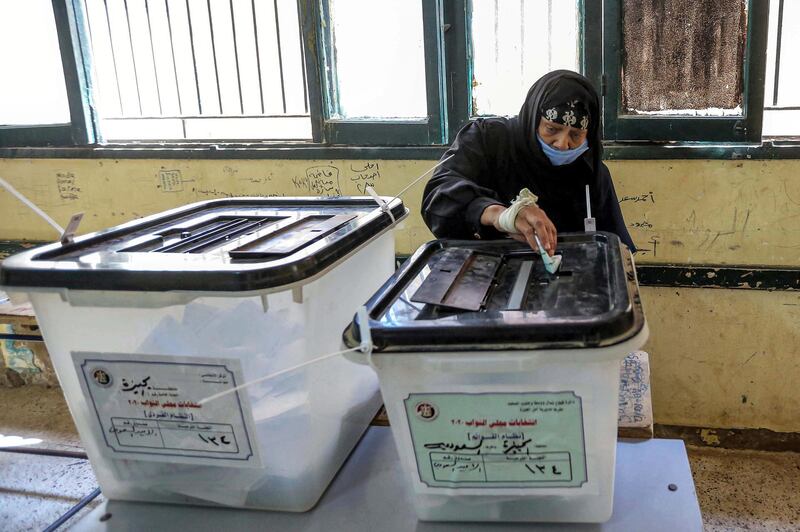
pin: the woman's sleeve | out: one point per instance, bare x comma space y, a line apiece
609, 216
453, 200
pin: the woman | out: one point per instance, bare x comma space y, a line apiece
553, 148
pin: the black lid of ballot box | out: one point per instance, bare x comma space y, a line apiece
235, 244
497, 295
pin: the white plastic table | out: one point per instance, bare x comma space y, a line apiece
370, 494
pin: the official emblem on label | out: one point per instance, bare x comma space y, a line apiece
102, 377
426, 411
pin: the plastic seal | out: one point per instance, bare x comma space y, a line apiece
68, 235
363, 328
381, 202
384, 206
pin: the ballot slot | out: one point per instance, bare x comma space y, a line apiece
200, 238
521, 282
520, 289
460, 279
286, 238
292, 237
206, 240
560, 272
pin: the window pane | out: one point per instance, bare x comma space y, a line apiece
514, 44
33, 90
683, 57
782, 87
379, 58
198, 69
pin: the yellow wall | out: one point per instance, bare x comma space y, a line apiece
709, 348
696, 211
724, 358
718, 212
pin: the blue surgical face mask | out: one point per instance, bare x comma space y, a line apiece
562, 157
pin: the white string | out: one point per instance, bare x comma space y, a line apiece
276, 374
30, 204
423, 175
384, 205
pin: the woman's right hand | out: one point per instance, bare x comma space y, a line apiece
530, 220
533, 220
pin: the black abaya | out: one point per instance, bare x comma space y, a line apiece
494, 158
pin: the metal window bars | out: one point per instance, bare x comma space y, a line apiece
786, 89
199, 69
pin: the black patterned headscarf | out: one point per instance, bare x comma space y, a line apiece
571, 113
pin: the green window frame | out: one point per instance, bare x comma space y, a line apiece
745, 128
323, 89
458, 75
71, 27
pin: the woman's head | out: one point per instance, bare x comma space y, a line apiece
565, 125
561, 112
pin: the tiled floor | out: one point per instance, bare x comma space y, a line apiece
36, 490
747, 490
737, 490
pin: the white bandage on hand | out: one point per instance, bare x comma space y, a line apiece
508, 217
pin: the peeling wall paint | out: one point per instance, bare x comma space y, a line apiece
746, 278
709, 437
